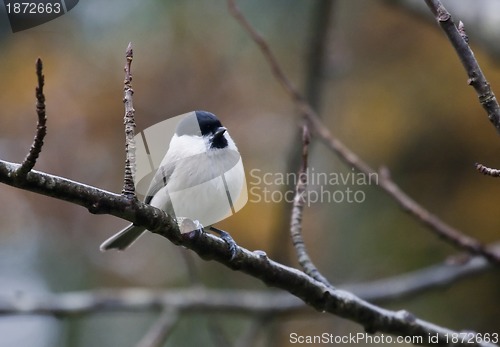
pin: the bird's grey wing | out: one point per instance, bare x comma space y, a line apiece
160, 180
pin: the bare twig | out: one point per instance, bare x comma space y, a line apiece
129, 121
41, 130
321, 21
486, 170
443, 230
297, 210
459, 40
160, 331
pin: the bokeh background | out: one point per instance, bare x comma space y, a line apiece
391, 88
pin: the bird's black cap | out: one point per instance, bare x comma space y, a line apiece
208, 122
208, 125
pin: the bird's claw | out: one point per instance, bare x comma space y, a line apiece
227, 239
194, 228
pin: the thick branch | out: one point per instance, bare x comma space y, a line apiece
314, 293
96, 200
256, 264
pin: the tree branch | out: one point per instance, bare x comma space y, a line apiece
41, 129
487, 170
296, 216
210, 247
459, 40
256, 264
317, 47
443, 230
129, 121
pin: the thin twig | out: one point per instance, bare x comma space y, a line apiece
459, 40
317, 48
297, 210
443, 230
486, 170
41, 129
129, 121
160, 331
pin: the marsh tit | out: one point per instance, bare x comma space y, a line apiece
199, 179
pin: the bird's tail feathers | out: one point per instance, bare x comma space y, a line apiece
123, 238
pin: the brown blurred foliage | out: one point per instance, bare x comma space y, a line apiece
394, 92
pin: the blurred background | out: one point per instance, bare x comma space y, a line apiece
390, 87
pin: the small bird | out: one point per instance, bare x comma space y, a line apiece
198, 179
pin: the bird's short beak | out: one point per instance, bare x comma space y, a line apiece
219, 133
